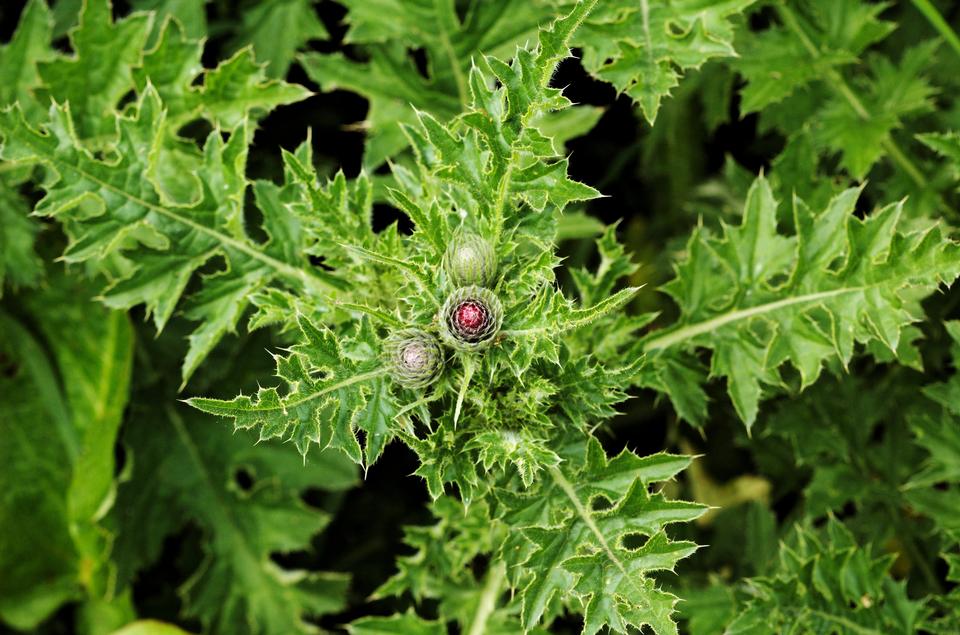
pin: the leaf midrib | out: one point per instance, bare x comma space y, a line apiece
693, 330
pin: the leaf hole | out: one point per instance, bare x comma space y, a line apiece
777, 279
677, 30
253, 218
130, 97
419, 58
836, 264
244, 479
197, 130
633, 541
320, 262
600, 503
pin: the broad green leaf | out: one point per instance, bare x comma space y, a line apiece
58, 478
237, 88
37, 554
642, 48
98, 73
30, 45
277, 29
121, 208
96, 363
19, 59
190, 14
758, 299
404, 624
185, 469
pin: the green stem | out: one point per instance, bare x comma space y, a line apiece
937, 22
458, 77
488, 599
840, 85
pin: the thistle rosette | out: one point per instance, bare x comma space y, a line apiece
415, 357
470, 318
470, 260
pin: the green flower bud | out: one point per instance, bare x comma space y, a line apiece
415, 357
470, 318
470, 260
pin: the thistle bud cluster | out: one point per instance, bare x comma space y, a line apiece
469, 319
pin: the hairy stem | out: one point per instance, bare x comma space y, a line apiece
488, 599
937, 22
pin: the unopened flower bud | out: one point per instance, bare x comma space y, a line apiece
470, 318
415, 357
470, 260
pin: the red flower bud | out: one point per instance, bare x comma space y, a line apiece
470, 318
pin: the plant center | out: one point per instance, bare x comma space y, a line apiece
471, 315
415, 357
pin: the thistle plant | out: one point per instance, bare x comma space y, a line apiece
548, 387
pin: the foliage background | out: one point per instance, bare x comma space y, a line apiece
846, 462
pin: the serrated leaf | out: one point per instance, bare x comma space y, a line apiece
98, 73
330, 394
391, 81
110, 209
826, 581
840, 281
642, 49
577, 548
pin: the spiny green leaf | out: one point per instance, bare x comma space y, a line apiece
827, 582
642, 48
576, 549
391, 80
758, 299
121, 208
351, 392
